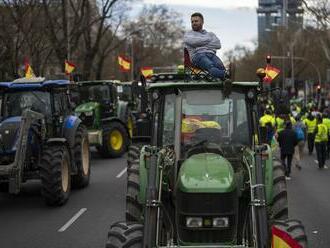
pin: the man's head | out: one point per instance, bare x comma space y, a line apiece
197, 21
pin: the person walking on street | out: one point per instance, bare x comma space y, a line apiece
202, 46
287, 140
310, 123
321, 139
267, 125
326, 121
299, 128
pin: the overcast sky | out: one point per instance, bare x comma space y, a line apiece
233, 21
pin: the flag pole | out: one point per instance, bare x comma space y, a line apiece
68, 34
132, 60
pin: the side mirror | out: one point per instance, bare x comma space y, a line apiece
261, 74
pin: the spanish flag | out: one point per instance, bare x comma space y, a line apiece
271, 73
147, 72
69, 67
125, 64
281, 239
28, 70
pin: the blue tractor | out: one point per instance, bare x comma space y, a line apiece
41, 139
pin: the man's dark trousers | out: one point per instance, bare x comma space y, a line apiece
287, 165
321, 151
310, 142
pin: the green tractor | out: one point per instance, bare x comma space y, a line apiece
108, 120
205, 180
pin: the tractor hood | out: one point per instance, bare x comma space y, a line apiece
8, 134
206, 172
87, 107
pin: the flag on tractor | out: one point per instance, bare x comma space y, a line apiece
271, 73
28, 70
281, 239
124, 63
147, 72
69, 67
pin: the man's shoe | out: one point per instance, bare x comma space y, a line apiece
325, 167
288, 178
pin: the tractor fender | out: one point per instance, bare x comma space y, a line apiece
121, 113
70, 126
268, 172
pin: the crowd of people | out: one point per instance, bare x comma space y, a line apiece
292, 127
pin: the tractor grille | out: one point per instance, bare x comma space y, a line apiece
8, 133
207, 206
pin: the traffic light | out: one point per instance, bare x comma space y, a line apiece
268, 59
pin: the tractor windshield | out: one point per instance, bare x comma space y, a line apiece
208, 117
17, 102
96, 93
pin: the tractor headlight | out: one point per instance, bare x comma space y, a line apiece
194, 222
89, 113
220, 222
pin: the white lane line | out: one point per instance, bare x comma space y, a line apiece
73, 219
121, 173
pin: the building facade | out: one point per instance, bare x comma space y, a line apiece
271, 15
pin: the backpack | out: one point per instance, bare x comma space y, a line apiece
299, 133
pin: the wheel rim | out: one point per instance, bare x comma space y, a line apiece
85, 156
65, 175
116, 140
130, 126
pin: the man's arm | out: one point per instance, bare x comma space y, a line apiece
215, 42
194, 39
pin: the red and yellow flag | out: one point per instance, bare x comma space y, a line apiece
69, 67
28, 70
124, 63
271, 73
281, 239
147, 71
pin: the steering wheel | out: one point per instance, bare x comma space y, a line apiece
202, 147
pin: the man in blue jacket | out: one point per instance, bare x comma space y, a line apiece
202, 46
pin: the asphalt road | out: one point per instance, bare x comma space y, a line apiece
26, 222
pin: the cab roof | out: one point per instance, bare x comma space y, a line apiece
168, 80
33, 84
96, 82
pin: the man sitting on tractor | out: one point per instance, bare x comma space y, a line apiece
202, 46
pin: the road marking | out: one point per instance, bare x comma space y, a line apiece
121, 173
73, 219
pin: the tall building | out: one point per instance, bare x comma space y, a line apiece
271, 15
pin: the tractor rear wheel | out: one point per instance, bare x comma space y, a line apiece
55, 173
133, 206
295, 229
115, 141
126, 235
82, 158
279, 207
133, 153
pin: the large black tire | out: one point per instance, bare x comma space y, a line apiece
295, 229
133, 207
133, 153
279, 207
117, 147
55, 173
82, 158
124, 235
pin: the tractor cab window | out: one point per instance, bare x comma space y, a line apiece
96, 93
210, 118
17, 102
168, 120
61, 103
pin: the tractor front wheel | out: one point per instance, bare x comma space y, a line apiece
82, 158
55, 173
115, 141
128, 235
